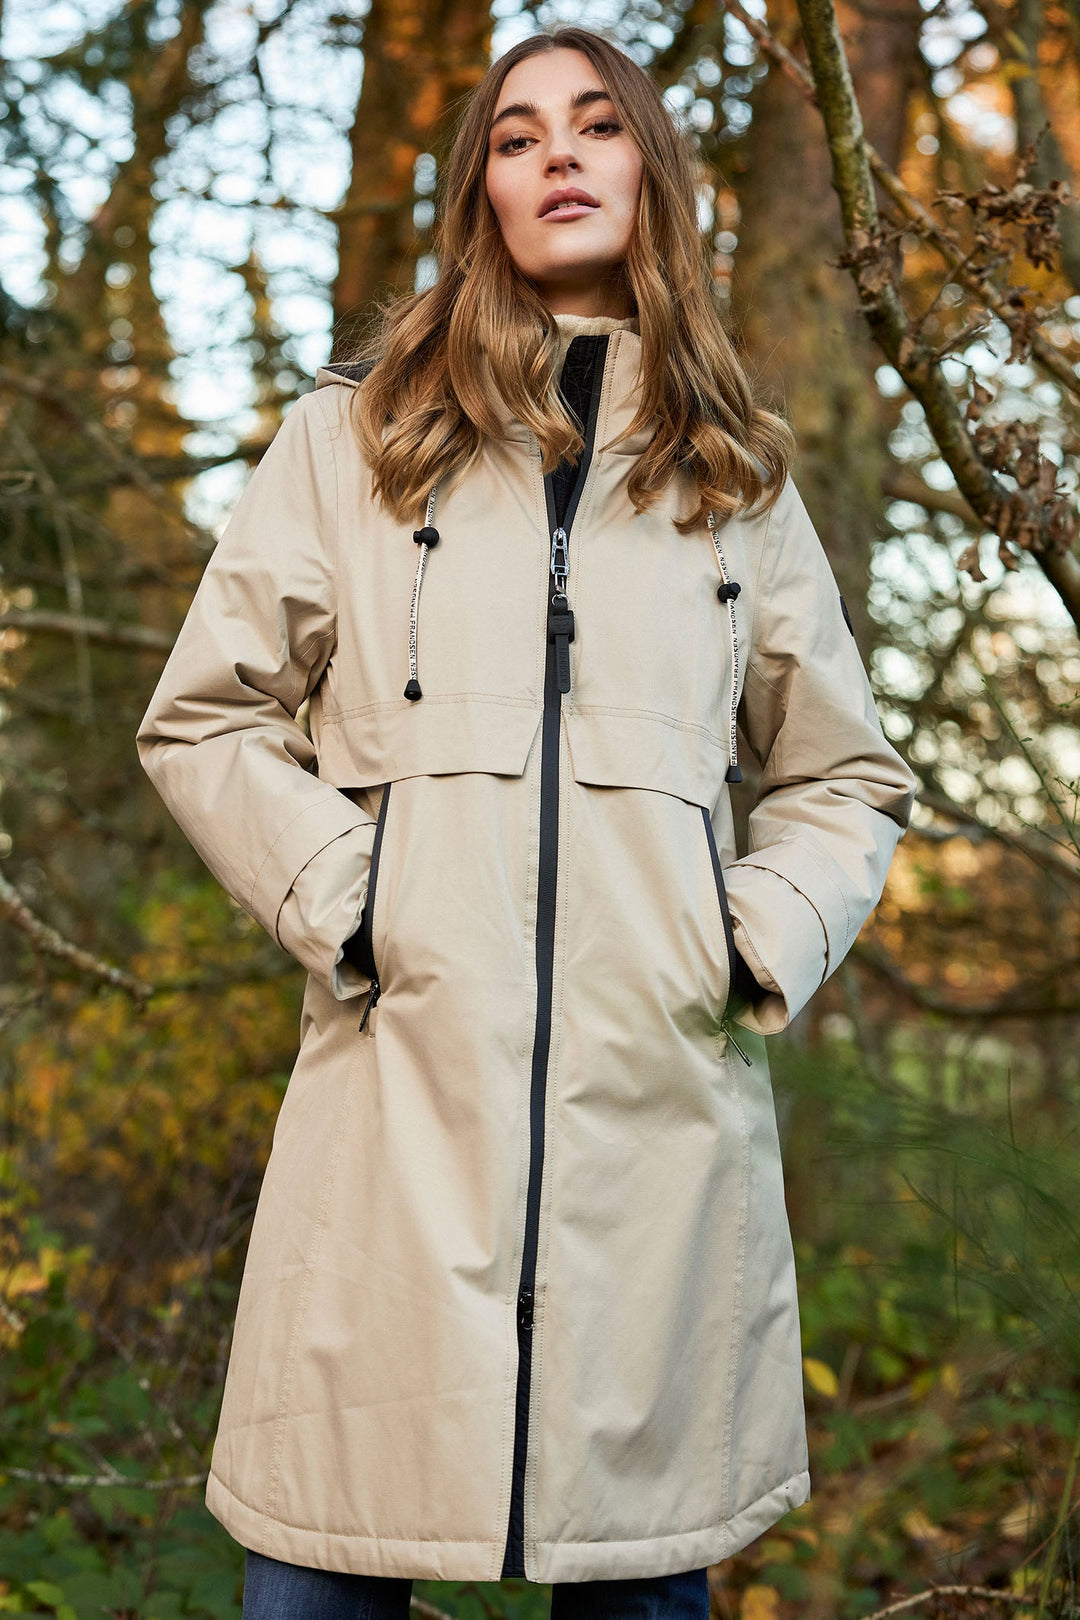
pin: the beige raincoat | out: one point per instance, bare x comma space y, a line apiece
519, 1296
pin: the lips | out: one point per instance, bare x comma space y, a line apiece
572, 195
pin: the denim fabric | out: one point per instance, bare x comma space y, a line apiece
279, 1591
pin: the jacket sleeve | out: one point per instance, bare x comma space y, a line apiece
835, 796
220, 740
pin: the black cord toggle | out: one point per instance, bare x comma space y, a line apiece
728, 591
412, 690
427, 536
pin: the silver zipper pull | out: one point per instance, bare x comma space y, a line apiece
560, 557
374, 991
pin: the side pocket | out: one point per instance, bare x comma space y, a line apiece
366, 924
729, 932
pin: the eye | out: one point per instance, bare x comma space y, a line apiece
517, 143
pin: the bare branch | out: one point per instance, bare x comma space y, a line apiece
129, 465
1036, 516
50, 942
179, 1482
1052, 857
1049, 356
115, 633
994, 1592
1017, 1004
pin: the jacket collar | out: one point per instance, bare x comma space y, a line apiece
618, 394
618, 390
572, 326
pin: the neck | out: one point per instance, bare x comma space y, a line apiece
600, 298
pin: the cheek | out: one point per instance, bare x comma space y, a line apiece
625, 186
501, 198
632, 182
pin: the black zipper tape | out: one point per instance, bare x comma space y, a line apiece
559, 630
367, 920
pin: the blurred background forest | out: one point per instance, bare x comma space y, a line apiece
201, 200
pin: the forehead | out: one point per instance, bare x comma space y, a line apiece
549, 79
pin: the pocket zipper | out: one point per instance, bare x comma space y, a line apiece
726, 1027
375, 990
721, 896
372, 997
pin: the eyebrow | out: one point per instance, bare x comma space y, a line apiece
529, 109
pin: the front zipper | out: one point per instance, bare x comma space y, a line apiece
369, 906
729, 932
560, 632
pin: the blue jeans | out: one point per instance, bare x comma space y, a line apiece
278, 1591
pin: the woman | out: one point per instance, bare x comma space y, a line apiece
520, 1297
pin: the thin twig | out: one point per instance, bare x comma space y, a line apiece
50, 942
57, 400
1051, 856
178, 1482
69, 561
994, 1592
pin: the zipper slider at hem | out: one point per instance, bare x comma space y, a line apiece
372, 997
726, 1027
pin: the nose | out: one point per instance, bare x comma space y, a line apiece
561, 159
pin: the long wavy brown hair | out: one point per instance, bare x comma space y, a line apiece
423, 411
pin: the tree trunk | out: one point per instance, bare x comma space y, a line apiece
798, 313
419, 57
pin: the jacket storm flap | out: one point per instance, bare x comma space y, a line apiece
519, 1296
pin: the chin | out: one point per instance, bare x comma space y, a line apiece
591, 265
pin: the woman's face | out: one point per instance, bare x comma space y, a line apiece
555, 130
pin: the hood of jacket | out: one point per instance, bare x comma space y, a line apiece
625, 358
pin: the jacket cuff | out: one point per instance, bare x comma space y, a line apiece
323, 818
782, 906
321, 910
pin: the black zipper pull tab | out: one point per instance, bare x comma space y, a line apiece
525, 1310
372, 997
727, 1031
561, 632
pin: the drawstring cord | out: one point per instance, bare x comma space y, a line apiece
425, 539
727, 592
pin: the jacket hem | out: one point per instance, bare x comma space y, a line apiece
434, 1560
667, 1555
546, 1562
